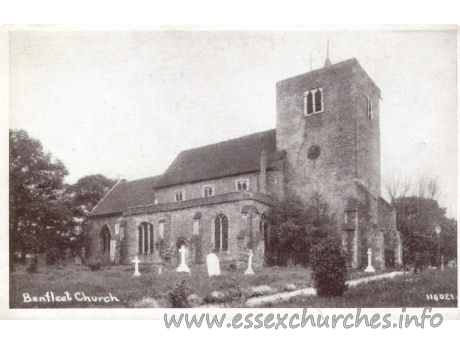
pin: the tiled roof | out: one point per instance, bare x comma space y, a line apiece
127, 194
217, 199
232, 157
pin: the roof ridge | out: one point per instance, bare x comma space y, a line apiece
228, 140
144, 178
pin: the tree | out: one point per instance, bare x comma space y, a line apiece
396, 187
294, 227
82, 197
448, 238
87, 192
417, 218
427, 187
329, 267
36, 189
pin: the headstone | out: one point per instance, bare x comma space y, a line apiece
249, 269
158, 264
212, 263
136, 262
113, 250
77, 260
183, 266
369, 267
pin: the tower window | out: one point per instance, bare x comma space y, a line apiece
369, 108
313, 101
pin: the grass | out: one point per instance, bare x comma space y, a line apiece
119, 281
410, 290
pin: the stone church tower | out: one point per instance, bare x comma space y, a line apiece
328, 125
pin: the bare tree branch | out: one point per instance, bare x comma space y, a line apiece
396, 187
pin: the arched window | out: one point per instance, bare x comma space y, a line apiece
263, 227
221, 233
105, 239
145, 237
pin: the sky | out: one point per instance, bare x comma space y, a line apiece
125, 103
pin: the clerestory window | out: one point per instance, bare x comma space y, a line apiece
242, 185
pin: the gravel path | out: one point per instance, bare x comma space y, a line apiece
284, 296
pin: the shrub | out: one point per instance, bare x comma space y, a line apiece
179, 293
93, 264
235, 295
329, 267
293, 226
52, 256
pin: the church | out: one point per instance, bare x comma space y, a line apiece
214, 198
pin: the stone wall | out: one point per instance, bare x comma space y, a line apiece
332, 130
179, 224
96, 226
275, 181
367, 135
195, 190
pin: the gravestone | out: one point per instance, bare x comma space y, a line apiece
77, 260
136, 262
249, 269
158, 264
369, 267
212, 263
183, 266
113, 250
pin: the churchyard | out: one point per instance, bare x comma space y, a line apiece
150, 289
232, 288
430, 288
